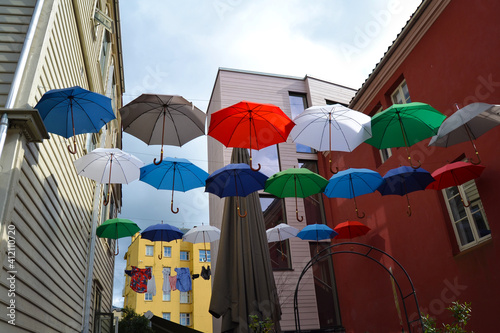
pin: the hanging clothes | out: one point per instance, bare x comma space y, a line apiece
151, 288
205, 272
183, 279
173, 282
139, 279
128, 272
195, 276
166, 283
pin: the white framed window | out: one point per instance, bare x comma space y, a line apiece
184, 255
204, 255
401, 95
167, 251
185, 297
105, 50
166, 315
148, 296
185, 319
150, 250
298, 103
469, 223
166, 296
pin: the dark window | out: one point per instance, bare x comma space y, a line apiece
313, 205
274, 214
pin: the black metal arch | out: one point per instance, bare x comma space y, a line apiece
321, 256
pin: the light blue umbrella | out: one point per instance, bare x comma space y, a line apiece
317, 232
176, 174
351, 183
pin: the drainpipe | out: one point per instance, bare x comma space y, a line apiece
4, 125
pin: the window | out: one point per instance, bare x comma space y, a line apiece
91, 142
166, 296
313, 204
166, 315
167, 251
97, 307
469, 223
184, 255
204, 255
103, 60
185, 297
185, 319
274, 213
401, 95
298, 103
150, 250
148, 296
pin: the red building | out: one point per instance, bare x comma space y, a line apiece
447, 54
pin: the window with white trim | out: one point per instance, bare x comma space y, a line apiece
167, 251
149, 250
185, 319
166, 296
401, 95
148, 296
185, 297
204, 255
166, 315
469, 223
184, 255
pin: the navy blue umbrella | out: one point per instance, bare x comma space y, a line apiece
404, 180
72, 111
161, 233
235, 180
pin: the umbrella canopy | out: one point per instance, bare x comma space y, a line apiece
350, 229
316, 232
117, 228
404, 180
161, 233
351, 183
163, 120
72, 111
109, 165
403, 125
250, 125
235, 180
243, 281
176, 174
281, 232
467, 124
331, 128
202, 234
455, 174
295, 182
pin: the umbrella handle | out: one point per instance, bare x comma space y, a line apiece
74, 147
105, 201
463, 202
161, 157
160, 256
251, 167
244, 215
172, 207
478, 159
408, 212
297, 215
117, 248
360, 216
414, 166
331, 169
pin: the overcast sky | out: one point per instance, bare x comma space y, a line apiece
176, 47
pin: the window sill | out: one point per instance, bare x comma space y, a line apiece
475, 247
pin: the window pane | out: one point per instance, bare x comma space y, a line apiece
148, 297
313, 204
167, 251
457, 208
204, 255
298, 103
273, 210
166, 315
406, 93
184, 255
464, 232
149, 250
482, 226
166, 296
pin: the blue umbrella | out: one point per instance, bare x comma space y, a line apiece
176, 174
161, 232
317, 232
71, 111
404, 180
351, 183
235, 180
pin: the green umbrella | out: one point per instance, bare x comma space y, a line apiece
295, 183
403, 125
117, 228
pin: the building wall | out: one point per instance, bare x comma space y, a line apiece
198, 308
233, 86
434, 56
49, 205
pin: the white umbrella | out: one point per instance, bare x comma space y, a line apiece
331, 128
281, 232
109, 165
202, 234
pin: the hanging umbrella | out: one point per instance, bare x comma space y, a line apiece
404, 180
250, 125
331, 127
176, 174
298, 183
202, 234
163, 120
161, 233
316, 232
455, 174
235, 180
351, 183
117, 228
350, 229
467, 124
403, 125
109, 165
280, 233
72, 111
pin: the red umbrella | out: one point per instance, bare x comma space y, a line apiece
250, 125
455, 174
350, 229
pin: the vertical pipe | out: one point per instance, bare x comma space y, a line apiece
4, 125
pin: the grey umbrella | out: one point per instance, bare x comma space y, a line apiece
467, 124
243, 282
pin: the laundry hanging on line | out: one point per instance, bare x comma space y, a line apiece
139, 279
183, 279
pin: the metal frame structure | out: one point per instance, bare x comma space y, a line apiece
325, 253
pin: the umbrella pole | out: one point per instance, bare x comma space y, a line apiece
406, 143
205, 246
354, 197
172, 201
330, 143
117, 248
73, 124
237, 198
281, 246
250, 122
408, 212
160, 256
162, 137
296, 203
106, 198
460, 194
473, 145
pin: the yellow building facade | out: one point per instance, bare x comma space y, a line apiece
185, 308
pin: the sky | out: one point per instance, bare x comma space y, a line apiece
176, 47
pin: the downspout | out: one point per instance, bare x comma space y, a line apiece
21, 65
